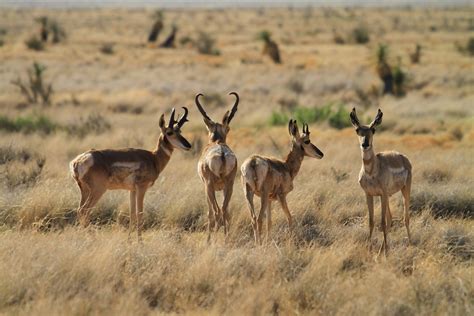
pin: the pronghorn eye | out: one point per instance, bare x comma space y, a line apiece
169, 133
307, 142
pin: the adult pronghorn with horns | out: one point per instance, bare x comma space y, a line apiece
382, 174
135, 170
217, 166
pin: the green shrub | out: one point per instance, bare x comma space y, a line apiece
34, 43
337, 119
340, 118
28, 124
361, 35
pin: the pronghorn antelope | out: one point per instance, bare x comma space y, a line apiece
382, 174
272, 179
135, 170
217, 166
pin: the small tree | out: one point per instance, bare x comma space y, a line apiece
35, 90
270, 48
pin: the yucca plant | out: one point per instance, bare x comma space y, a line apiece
44, 29
416, 55
270, 48
157, 26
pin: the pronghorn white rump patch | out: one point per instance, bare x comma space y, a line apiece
83, 162
219, 156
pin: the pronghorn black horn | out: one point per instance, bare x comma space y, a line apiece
172, 121
199, 106
234, 108
183, 119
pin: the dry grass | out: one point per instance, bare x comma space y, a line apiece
50, 266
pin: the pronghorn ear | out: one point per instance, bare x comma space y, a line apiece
162, 121
377, 121
354, 120
293, 128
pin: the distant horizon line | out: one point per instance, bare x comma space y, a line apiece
206, 4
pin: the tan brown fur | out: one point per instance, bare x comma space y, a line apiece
217, 167
135, 170
272, 179
382, 174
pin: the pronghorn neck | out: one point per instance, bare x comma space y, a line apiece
163, 153
369, 160
294, 159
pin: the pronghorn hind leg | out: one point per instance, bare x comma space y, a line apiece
264, 199
388, 215
91, 201
228, 188
269, 221
210, 215
249, 197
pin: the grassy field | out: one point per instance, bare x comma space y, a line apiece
109, 88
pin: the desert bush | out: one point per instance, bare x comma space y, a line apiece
383, 68
436, 175
126, 108
185, 40
19, 166
338, 39
205, 44
288, 104
444, 205
36, 89
360, 35
93, 124
458, 242
295, 85
339, 118
2, 42
470, 46
214, 99
34, 43
107, 49
28, 124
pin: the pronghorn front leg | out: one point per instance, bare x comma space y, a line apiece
284, 206
370, 206
133, 212
140, 196
269, 221
384, 246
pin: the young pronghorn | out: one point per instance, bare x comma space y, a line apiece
97, 171
217, 166
272, 179
382, 174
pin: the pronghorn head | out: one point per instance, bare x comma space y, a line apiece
365, 133
303, 141
218, 131
172, 131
